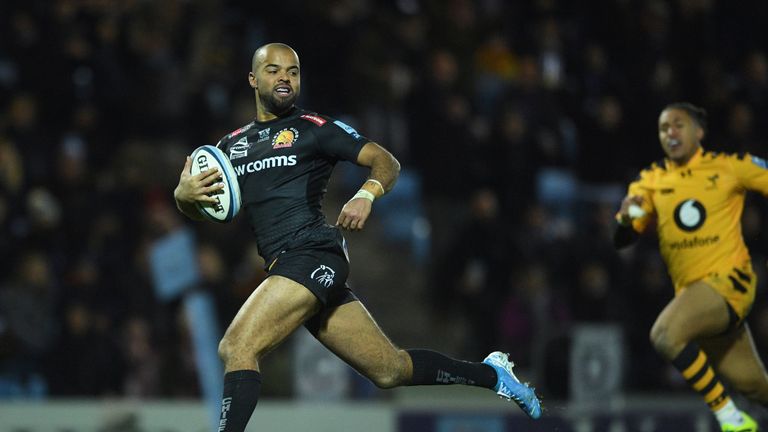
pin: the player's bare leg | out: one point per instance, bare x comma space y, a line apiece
698, 312
736, 359
271, 313
351, 333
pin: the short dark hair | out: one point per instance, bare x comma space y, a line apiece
698, 114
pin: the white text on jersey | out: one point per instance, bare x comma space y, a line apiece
262, 164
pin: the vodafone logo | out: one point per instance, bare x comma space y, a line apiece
690, 215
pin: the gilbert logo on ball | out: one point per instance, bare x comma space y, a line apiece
228, 200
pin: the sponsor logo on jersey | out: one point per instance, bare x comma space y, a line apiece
759, 162
314, 119
241, 130
347, 128
239, 149
690, 215
263, 135
266, 163
713, 179
323, 275
285, 138
694, 242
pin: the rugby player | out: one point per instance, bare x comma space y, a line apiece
284, 159
696, 198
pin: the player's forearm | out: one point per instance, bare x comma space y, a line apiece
624, 235
384, 172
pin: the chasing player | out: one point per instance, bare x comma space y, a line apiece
696, 198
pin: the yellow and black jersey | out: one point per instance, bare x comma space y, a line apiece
697, 208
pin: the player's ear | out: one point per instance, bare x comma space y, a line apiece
252, 79
699, 133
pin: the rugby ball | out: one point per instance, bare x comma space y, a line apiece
228, 199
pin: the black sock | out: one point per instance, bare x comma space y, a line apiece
433, 368
241, 392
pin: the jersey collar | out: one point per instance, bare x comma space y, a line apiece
288, 114
693, 161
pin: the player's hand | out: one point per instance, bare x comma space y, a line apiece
628, 201
354, 214
197, 188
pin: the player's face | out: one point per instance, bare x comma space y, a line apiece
277, 79
679, 135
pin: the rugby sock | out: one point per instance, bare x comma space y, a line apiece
433, 368
695, 368
241, 392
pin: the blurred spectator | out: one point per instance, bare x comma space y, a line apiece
474, 272
142, 377
28, 327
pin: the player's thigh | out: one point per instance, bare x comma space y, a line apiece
351, 333
271, 313
697, 311
735, 358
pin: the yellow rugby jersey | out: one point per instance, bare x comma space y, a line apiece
697, 208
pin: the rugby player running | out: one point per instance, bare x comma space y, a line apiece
284, 159
696, 198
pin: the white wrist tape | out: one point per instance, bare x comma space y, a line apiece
362, 193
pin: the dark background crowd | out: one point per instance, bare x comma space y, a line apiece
518, 125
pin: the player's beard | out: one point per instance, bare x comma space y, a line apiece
275, 105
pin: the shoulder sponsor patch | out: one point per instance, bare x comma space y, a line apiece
264, 135
239, 149
759, 162
241, 130
347, 128
314, 119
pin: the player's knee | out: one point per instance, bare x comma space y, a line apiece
663, 340
225, 350
385, 380
233, 350
393, 374
753, 388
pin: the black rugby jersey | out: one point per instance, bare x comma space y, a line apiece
283, 166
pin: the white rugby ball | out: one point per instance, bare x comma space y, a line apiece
228, 199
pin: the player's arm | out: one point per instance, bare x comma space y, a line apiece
624, 234
635, 212
195, 188
752, 172
384, 172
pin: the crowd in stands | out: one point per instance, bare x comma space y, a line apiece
522, 122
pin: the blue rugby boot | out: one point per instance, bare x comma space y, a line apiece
510, 388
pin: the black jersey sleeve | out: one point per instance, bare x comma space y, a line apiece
339, 140
624, 235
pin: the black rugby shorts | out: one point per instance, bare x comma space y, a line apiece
317, 259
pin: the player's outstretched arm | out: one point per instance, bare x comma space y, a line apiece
384, 172
192, 189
